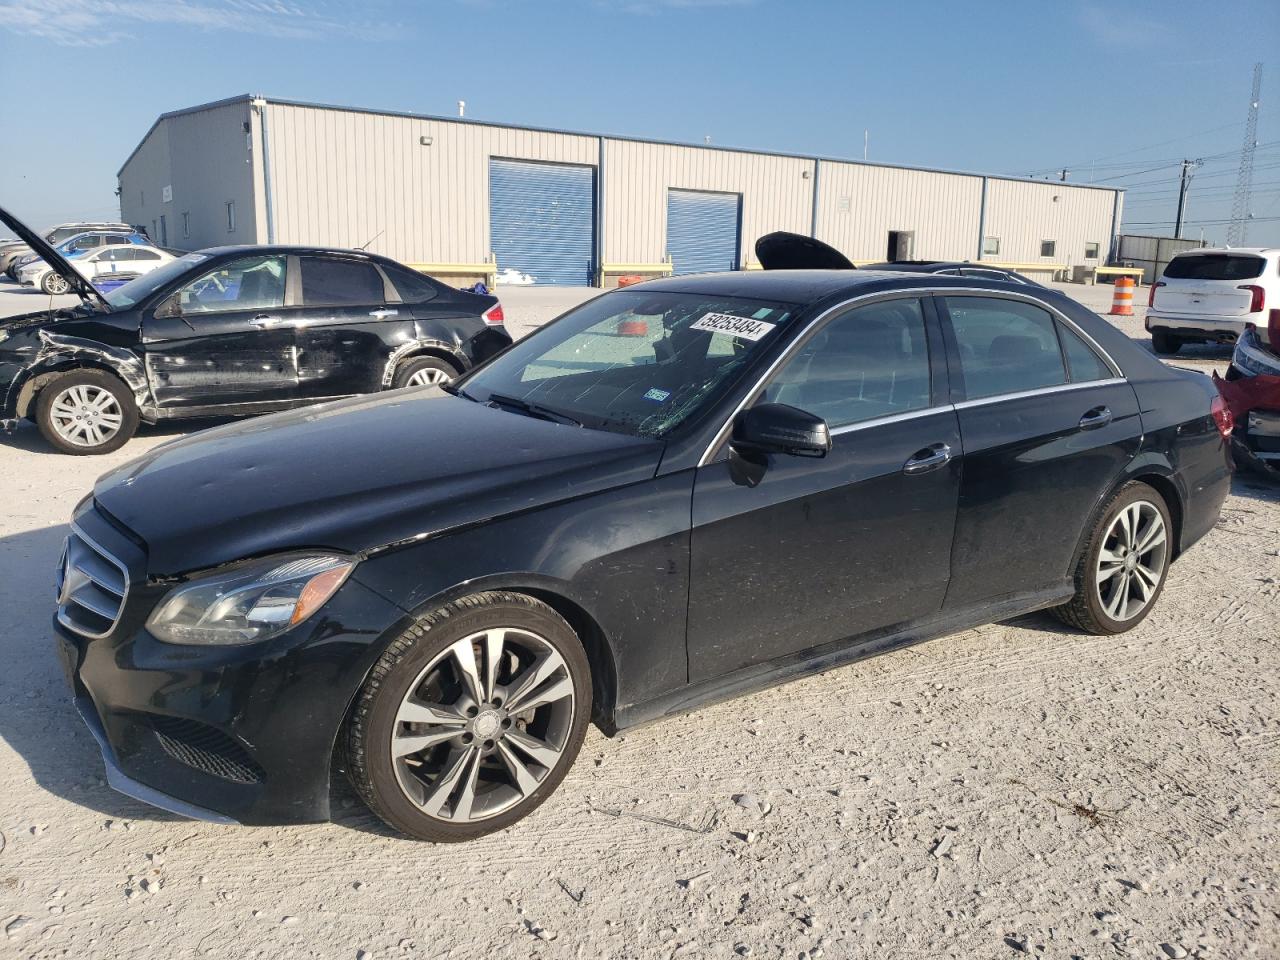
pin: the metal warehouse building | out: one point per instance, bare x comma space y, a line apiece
465, 200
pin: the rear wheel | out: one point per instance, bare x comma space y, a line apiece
86, 412
471, 718
1123, 566
1164, 342
424, 371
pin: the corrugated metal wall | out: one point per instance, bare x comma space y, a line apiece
859, 205
341, 178
776, 195
144, 177
1023, 214
345, 178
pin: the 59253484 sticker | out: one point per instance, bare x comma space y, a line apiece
731, 326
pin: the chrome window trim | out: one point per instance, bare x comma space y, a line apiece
892, 418
722, 434
1038, 391
110, 557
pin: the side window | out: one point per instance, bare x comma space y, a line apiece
412, 286
1006, 346
254, 283
142, 255
870, 362
328, 282
116, 238
1084, 363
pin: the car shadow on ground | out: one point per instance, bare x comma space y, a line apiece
27, 436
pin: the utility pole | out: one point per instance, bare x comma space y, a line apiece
1188, 168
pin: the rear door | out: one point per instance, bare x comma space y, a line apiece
350, 319
793, 553
1048, 424
1209, 284
225, 339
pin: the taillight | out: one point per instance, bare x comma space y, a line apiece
493, 316
1151, 297
1222, 417
1257, 297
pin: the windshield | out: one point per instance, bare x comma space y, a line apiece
633, 362
1214, 266
135, 291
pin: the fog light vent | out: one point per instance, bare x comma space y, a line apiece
206, 749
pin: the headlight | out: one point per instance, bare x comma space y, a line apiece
253, 602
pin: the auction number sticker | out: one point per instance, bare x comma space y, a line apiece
729, 325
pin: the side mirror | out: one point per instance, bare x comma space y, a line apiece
779, 428
170, 308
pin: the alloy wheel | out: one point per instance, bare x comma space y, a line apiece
57, 284
86, 415
483, 725
427, 376
1132, 561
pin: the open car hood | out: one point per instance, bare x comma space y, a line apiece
41, 248
794, 251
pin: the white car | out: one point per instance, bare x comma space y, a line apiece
124, 261
1207, 296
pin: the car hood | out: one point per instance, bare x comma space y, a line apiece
357, 475
54, 259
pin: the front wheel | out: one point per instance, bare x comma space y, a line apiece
1123, 566
86, 412
471, 718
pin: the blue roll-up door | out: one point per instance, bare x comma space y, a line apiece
702, 231
542, 220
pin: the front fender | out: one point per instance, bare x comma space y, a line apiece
58, 353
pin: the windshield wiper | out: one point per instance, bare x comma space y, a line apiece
533, 409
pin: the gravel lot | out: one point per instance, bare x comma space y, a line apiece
1019, 788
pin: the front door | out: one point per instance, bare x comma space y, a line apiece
225, 340
350, 321
791, 553
1048, 425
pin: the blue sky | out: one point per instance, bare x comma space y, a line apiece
1115, 93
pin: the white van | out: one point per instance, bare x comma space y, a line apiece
1207, 296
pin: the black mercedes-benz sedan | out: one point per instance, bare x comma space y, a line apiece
232, 331
673, 494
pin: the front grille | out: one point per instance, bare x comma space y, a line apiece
206, 749
92, 586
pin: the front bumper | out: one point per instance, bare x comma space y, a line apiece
229, 734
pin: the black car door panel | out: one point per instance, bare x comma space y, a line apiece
225, 339
790, 553
1048, 426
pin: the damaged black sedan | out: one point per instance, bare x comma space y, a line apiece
674, 493
232, 331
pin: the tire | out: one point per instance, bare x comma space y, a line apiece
456, 778
63, 400
54, 284
1099, 605
1165, 343
424, 371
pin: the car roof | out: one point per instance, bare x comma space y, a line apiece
250, 249
810, 286
1248, 251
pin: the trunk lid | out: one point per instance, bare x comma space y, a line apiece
1209, 284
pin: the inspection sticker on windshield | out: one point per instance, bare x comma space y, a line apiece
729, 325
658, 395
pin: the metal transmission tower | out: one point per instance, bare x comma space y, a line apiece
1238, 231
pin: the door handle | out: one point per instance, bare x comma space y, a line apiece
263, 320
1095, 418
383, 313
930, 458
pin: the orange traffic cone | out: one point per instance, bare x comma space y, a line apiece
1122, 301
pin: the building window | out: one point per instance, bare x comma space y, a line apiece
154, 233
1048, 248
186, 225
142, 198
991, 246
1091, 251
164, 232
231, 216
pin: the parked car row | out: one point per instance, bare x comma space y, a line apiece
226, 332
14, 250
674, 493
